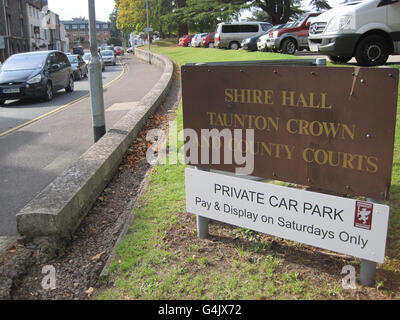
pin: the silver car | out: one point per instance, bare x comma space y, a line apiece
230, 35
87, 56
109, 57
196, 40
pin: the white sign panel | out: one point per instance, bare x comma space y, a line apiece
348, 226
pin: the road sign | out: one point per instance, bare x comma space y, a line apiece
330, 128
148, 29
344, 225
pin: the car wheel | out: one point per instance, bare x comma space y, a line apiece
289, 46
49, 92
2, 102
339, 59
70, 86
372, 51
234, 46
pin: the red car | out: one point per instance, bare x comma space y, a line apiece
185, 40
208, 41
119, 51
292, 37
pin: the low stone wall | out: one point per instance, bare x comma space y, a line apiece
59, 209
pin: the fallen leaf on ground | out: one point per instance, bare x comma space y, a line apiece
97, 256
89, 291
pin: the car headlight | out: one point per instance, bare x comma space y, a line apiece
275, 34
35, 79
338, 24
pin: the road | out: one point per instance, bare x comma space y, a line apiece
38, 140
308, 54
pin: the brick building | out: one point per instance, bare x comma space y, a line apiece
22, 28
77, 31
14, 30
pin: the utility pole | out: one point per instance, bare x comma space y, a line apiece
95, 79
148, 30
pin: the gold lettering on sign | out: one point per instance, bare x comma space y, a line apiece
304, 100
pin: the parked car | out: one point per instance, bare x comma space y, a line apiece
230, 35
79, 66
262, 41
88, 56
119, 51
250, 44
208, 40
185, 41
109, 57
367, 30
292, 38
196, 40
78, 50
35, 75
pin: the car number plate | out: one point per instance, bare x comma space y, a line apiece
12, 90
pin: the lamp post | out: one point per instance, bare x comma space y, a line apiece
148, 30
95, 79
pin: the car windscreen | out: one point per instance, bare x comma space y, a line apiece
87, 56
24, 62
298, 22
73, 59
107, 53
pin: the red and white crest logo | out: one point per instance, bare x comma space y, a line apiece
363, 215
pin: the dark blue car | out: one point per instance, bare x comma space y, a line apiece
35, 75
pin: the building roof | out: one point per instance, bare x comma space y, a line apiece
80, 21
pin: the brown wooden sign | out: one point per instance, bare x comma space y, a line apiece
327, 127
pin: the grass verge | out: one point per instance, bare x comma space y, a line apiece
161, 258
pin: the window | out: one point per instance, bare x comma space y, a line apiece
52, 59
82, 27
230, 29
105, 26
8, 24
21, 21
249, 28
97, 26
74, 26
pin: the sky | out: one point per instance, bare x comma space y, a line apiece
68, 9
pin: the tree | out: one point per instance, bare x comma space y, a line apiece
204, 15
320, 5
259, 15
280, 11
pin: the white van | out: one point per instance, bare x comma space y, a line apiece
230, 35
368, 30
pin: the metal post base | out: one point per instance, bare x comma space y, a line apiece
202, 227
368, 273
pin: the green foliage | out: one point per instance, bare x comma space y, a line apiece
320, 5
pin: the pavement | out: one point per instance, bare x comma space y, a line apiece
34, 155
